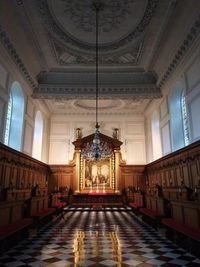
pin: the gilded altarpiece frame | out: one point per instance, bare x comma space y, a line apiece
97, 175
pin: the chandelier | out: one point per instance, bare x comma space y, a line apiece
98, 149
96, 152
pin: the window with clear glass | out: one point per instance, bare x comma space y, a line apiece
185, 119
176, 119
15, 117
8, 120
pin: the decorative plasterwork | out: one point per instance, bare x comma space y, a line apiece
16, 58
183, 49
81, 84
63, 92
102, 104
112, 14
66, 57
105, 106
56, 30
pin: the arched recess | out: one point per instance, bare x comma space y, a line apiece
38, 134
176, 117
15, 117
156, 138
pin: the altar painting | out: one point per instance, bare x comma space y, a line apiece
97, 173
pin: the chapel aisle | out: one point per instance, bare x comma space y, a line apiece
97, 238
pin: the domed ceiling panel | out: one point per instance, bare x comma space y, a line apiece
117, 19
122, 23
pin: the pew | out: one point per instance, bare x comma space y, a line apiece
12, 233
184, 226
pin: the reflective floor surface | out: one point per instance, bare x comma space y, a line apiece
97, 238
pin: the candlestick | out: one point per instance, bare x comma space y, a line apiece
97, 190
91, 187
104, 188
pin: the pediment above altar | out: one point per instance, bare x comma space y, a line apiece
80, 143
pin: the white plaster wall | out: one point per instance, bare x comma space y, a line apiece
2, 111
188, 74
166, 141
3, 77
195, 122
3, 98
8, 74
45, 140
28, 137
192, 81
131, 133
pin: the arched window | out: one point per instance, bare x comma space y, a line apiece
178, 118
156, 140
15, 117
8, 120
37, 139
185, 118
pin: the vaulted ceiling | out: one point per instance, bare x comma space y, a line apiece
53, 42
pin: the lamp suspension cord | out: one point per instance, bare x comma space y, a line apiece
97, 59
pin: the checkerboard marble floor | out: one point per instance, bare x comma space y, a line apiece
97, 238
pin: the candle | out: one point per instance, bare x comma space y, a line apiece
91, 187
97, 190
103, 187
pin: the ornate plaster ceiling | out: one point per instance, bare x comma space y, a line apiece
53, 44
88, 106
120, 22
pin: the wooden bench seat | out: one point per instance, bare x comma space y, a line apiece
135, 205
10, 229
184, 235
43, 213
150, 216
150, 213
59, 204
182, 228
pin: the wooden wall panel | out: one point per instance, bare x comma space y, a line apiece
191, 215
19, 174
178, 176
18, 170
61, 177
178, 170
132, 175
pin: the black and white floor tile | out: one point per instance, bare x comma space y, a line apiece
98, 238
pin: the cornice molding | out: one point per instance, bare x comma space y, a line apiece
181, 52
69, 92
4, 39
114, 113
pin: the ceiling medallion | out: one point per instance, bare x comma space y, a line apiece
113, 14
104, 104
119, 28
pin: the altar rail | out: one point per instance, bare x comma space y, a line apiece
102, 199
